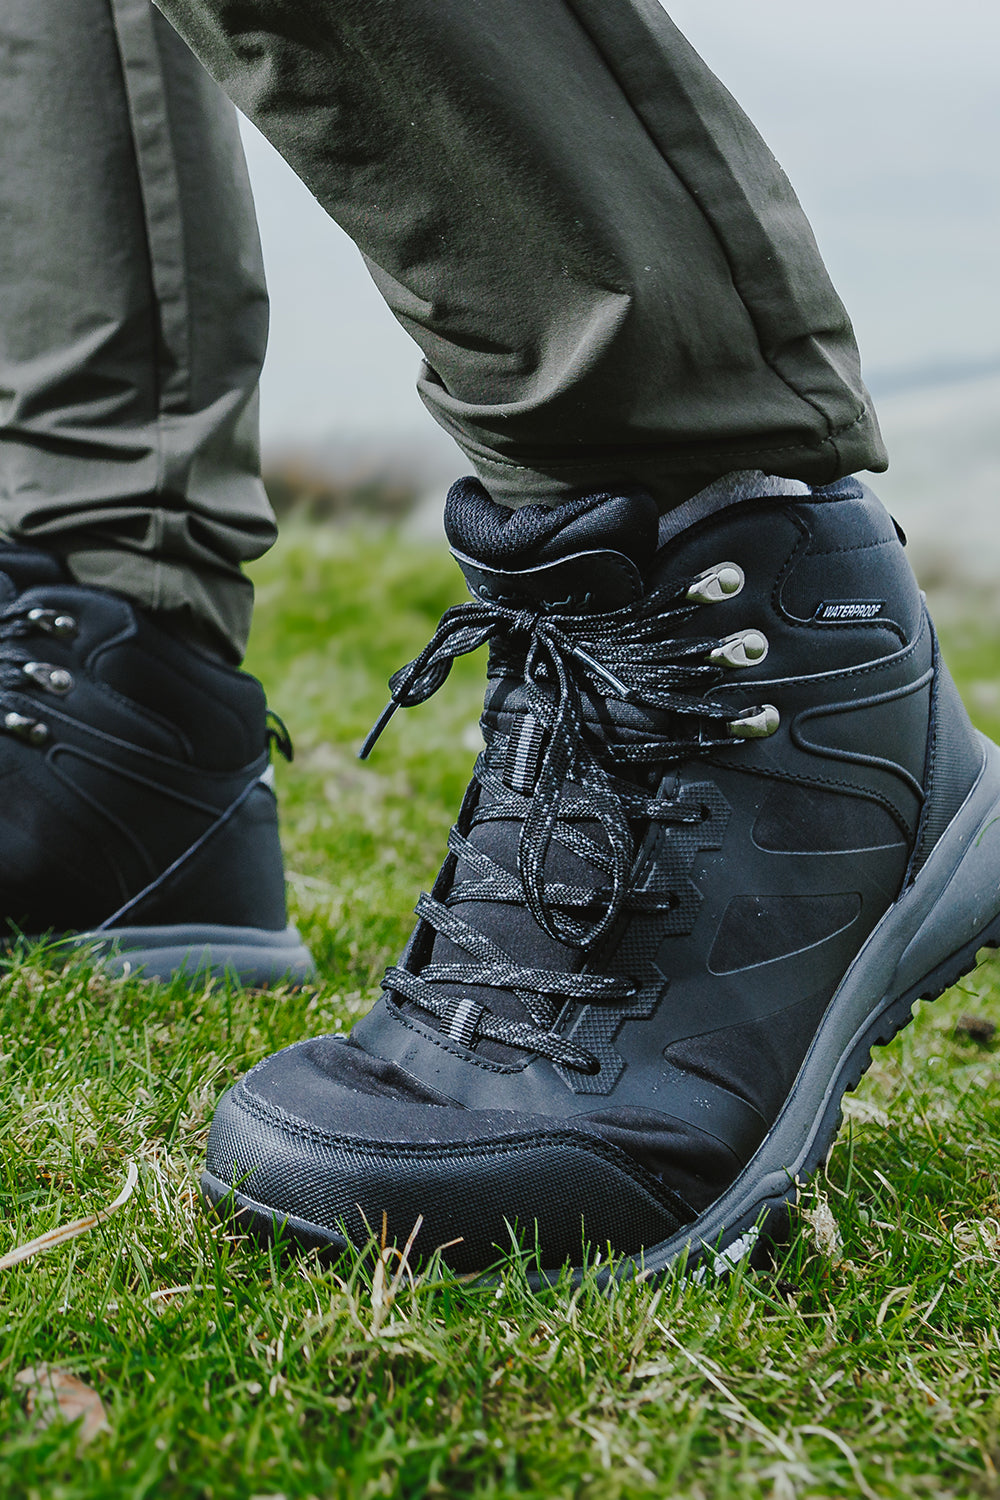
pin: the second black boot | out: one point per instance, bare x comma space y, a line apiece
137, 818
730, 822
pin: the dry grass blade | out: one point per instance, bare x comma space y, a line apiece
55, 1395
848, 1452
384, 1296
770, 1438
66, 1232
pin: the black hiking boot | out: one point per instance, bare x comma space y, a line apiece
730, 822
137, 817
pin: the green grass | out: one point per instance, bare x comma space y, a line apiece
866, 1363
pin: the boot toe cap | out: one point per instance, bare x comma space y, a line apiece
330, 1161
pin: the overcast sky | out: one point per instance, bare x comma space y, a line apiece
885, 114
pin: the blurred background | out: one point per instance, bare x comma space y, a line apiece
885, 116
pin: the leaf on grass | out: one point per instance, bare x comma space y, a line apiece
70, 1231
977, 1029
823, 1227
55, 1395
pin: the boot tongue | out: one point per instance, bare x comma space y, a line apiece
23, 568
589, 554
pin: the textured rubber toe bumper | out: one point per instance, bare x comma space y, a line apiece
251, 955
489, 1178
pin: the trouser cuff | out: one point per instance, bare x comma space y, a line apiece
209, 608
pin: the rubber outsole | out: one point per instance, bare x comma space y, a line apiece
252, 955
925, 942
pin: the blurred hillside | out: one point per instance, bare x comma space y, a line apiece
943, 485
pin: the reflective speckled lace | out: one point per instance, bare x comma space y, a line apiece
569, 779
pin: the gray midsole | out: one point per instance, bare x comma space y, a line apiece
192, 946
960, 887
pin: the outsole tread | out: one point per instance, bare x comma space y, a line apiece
883, 1039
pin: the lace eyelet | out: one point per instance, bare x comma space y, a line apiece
53, 679
746, 648
588, 1065
31, 731
755, 723
717, 584
53, 623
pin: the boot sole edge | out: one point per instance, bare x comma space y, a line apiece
254, 956
958, 889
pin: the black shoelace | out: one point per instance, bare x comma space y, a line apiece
625, 654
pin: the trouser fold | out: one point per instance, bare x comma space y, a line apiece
133, 313
610, 277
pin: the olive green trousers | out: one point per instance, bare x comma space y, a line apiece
609, 276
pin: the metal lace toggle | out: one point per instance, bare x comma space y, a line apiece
52, 679
744, 649
723, 581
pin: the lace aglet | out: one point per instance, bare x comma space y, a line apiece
377, 728
601, 672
